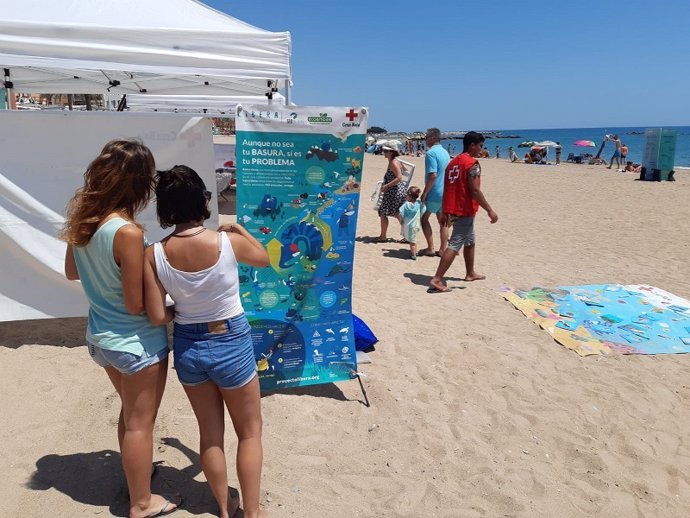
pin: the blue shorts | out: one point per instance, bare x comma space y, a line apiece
125, 363
616, 154
220, 351
433, 206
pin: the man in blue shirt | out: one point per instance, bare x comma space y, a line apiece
435, 165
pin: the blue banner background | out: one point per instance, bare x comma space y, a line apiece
298, 193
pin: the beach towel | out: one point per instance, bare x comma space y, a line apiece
411, 214
608, 318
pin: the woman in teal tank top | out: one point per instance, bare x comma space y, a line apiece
105, 250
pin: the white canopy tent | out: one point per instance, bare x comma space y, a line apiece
207, 104
180, 47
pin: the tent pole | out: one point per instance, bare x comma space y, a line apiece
11, 102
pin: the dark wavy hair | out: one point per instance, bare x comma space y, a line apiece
181, 196
119, 179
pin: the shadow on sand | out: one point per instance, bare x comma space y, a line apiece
63, 332
423, 280
325, 390
97, 479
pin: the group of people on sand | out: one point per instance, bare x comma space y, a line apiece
126, 284
452, 191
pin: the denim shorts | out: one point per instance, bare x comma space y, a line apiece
125, 363
462, 233
220, 351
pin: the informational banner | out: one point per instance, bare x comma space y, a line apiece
659, 151
44, 156
299, 176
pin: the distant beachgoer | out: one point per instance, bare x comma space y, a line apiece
498, 152
512, 155
462, 197
558, 153
535, 156
105, 250
394, 192
435, 164
411, 212
624, 153
617, 153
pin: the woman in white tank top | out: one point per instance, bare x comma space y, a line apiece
214, 355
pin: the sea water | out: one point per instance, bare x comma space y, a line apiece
633, 137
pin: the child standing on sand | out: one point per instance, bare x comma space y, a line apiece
411, 212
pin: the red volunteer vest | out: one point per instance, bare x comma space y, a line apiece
457, 197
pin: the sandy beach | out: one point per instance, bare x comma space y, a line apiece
475, 412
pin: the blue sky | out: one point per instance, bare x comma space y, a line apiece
487, 65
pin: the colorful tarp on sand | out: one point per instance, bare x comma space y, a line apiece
608, 318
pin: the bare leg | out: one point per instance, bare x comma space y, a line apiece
384, 227
207, 403
428, 234
413, 250
443, 231
468, 254
446, 260
244, 405
141, 395
116, 380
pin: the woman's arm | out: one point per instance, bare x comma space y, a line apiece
128, 250
154, 293
246, 248
70, 265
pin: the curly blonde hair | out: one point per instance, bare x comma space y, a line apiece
120, 179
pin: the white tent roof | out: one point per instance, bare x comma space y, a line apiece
130, 46
195, 103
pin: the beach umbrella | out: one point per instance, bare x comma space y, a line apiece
526, 143
584, 143
546, 143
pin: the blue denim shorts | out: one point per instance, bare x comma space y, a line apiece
125, 363
220, 351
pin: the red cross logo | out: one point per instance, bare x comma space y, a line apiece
453, 174
352, 115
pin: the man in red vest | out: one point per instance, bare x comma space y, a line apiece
462, 197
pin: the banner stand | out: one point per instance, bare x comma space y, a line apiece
299, 172
364, 392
